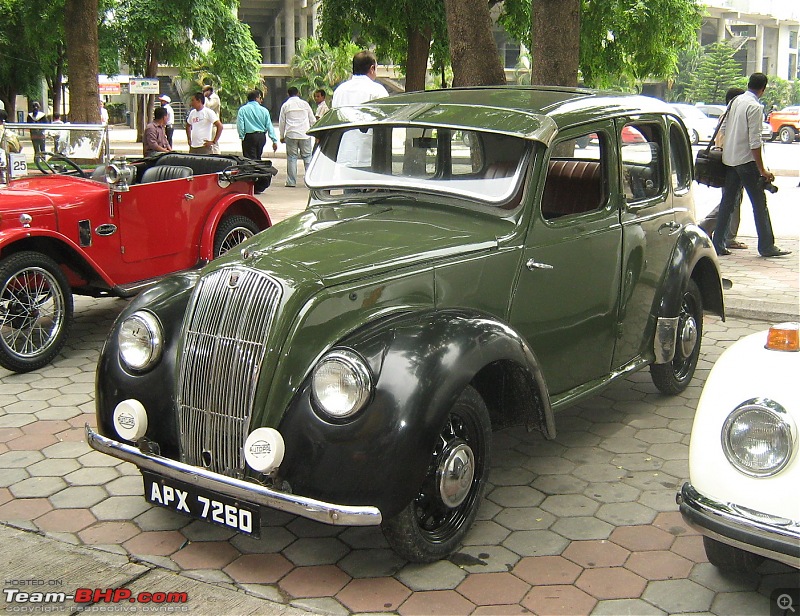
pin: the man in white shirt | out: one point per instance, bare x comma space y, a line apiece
355, 149
215, 105
169, 129
322, 106
742, 155
295, 119
200, 125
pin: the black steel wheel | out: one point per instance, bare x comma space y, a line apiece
674, 377
49, 163
433, 525
35, 311
231, 232
787, 134
724, 556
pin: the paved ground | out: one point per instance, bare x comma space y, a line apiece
584, 524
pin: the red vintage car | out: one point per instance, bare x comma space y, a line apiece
108, 230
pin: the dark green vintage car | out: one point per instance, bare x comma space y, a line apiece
469, 258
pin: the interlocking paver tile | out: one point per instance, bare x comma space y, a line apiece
741, 604
32, 441
690, 547
93, 477
558, 600
213, 555
108, 532
35, 487
373, 595
19, 459
486, 532
516, 496
536, 542
658, 500
548, 465
155, 543
515, 476
642, 537
439, 575
673, 523
659, 565
525, 518
158, 518
380, 562
308, 551
303, 527
565, 505
626, 607
256, 568
24, 508
674, 596
493, 588
363, 537
120, 508
611, 492
66, 450
718, 580
485, 558
11, 476
16, 421
499, 610
316, 581
67, 520
559, 484
437, 602
9, 434
598, 473
626, 513
546, 570
198, 530
596, 554
584, 527
611, 583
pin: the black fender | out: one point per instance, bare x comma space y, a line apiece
693, 257
420, 363
156, 388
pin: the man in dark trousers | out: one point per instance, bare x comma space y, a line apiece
254, 123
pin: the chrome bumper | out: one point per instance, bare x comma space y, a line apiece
773, 538
326, 513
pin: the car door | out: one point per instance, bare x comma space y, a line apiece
649, 233
566, 300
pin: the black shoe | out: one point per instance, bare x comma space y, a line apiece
775, 252
723, 252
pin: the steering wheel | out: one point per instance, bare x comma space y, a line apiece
47, 163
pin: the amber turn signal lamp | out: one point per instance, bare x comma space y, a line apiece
784, 337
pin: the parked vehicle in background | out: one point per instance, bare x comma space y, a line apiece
715, 112
463, 264
114, 229
744, 466
699, 125
785, 124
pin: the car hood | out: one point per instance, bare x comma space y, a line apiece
37, 192
347, 242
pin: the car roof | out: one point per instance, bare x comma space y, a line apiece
532, 112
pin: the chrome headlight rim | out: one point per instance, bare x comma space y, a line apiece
785, 422
154, 338
361, 374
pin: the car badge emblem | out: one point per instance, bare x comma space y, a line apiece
233, 280
105, 230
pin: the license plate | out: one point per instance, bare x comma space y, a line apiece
202, 504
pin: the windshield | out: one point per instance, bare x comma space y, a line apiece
687, 111
480, 166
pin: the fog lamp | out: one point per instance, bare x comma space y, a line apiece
130, 419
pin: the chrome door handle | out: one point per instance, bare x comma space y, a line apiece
533, 265
672, 226
188, 197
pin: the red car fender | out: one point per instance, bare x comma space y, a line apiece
230, 205
12, 236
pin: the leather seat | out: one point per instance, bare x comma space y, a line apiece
160, 173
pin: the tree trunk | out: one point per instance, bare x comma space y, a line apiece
474, 54
80, 33
556, 34
419, 48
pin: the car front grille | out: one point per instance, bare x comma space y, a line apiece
225, 334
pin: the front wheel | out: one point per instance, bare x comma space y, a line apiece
674, 377
433, 525
35, 311
695, 137
787, 134
233, 231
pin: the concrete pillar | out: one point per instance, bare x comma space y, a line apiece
303, 14
278, 49
759, 63
266, 45
721, 29
288, 20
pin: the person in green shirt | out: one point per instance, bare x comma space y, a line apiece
254, 124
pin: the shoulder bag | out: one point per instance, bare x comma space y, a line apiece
708, 166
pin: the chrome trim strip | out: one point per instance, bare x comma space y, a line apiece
719, 521
327, 513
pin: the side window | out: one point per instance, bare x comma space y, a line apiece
576, 173
680, 158
643, 165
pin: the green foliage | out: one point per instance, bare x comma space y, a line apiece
716, 71
317, 65
781, 93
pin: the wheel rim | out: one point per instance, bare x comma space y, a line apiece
451, 488
688, 338
234, 237
31, 312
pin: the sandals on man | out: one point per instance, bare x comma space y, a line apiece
737, 245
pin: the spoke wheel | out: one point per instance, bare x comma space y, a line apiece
49, 163
35, 311
674, 377
233, 231
433, 525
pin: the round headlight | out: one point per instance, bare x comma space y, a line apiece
757, 437
141, 340
341, 384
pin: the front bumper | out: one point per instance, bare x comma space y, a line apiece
774, 538
326, 513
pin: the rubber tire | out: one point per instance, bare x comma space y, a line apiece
403, 531
674, 377
228, 226
694, 137
11, 267
724, 556
787, 134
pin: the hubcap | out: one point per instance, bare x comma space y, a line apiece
688, 336
455, 474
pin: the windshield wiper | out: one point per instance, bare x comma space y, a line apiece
369, 200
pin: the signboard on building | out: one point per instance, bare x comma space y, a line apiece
110, 89
139, 85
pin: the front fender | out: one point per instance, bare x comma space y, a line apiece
421, 363
155, 389
236, 203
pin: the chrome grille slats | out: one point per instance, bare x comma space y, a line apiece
225, 332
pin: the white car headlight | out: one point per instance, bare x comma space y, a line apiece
341, 383
141, 341
758, 437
